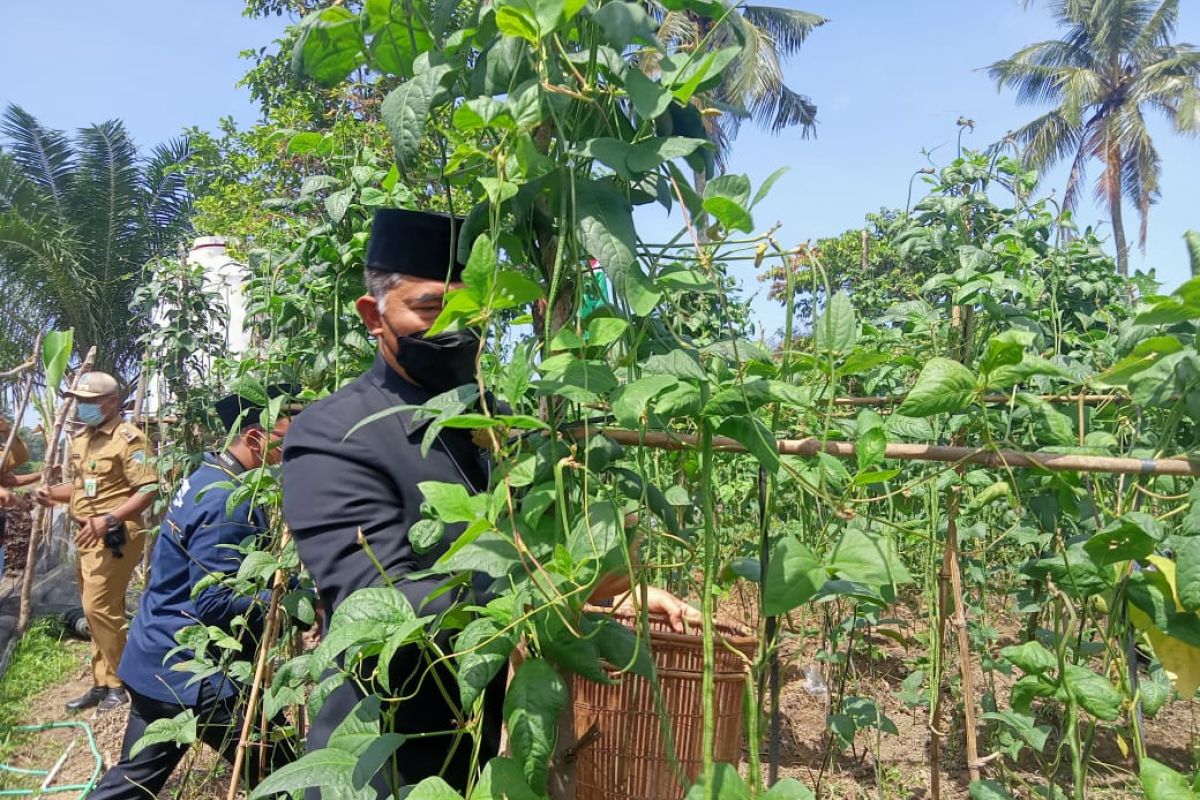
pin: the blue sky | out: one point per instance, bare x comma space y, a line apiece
890, 79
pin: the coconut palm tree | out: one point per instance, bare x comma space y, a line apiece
79, 219
1116, 62
752, 86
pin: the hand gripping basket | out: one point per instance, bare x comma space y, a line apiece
620, 753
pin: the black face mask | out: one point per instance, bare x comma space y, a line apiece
438, 363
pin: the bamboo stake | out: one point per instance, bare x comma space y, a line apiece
989, 399
1004, 459
959, 621
41, 515
268, 637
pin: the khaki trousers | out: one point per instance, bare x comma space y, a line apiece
103, 580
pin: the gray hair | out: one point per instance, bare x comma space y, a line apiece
379, 283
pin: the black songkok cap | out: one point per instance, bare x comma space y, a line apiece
234, 407
417, 243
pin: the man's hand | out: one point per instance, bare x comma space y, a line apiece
91, 533
660, 601
7, 480
7, 499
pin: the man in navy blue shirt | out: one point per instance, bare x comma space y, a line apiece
198, 542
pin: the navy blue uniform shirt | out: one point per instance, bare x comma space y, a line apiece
190, 547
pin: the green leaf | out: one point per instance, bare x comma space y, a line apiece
1031, 657
1124, 540
1160, 782
943, 386
603, 331
868, 558
650, 100
766, 186
727, 785
1095, 694
1005, 350
731, 215
733, 187
625, 23
988, 790
1052, 424
1192, 240
751, 432
329, 47
502, 779
482, 113
532, 706
607, 231
426, 534
788, 789
597, 532
1031, 366
631, 402
687, 73
870, 447
1187, 573
836, 330
338, 203
652, 153
56, 352
680, 363
406, 109
449, 501
1146, 354
179, 729
794, 575
433, 788
327, 767
482, 650
1022, 725
529, 19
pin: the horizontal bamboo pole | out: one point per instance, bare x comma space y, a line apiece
1017, 459
990, 399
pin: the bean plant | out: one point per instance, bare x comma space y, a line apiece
544, 124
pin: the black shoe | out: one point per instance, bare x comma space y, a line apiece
113, 698
89, 699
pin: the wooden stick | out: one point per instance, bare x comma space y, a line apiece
959, 621
22, 404
41, 516
25, 366
1006, 459
260, 669
990, 399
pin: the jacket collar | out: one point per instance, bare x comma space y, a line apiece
401, 391
108, 426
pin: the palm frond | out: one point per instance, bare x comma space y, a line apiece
167, 201
44, 154
1047, 140
106, 197
1159, 29
788, 28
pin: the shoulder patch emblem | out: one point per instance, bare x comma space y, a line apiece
139, 457
130, 433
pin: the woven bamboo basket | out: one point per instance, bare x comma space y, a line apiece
620, 753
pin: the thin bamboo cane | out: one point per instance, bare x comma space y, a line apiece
990, 399
41, 515
23, 403
959, 621
1005, 459
264, 648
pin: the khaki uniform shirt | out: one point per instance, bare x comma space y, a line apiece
109, 464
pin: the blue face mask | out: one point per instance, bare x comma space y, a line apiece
90, 414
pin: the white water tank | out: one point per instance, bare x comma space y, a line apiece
226, 277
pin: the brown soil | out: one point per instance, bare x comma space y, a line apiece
16, 540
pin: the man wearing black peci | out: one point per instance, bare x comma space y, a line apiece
342, 477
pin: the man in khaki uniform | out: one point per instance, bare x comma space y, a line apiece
112, 484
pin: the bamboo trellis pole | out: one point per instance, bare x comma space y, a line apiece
1001, 459
989, 399
23, 403
41, 515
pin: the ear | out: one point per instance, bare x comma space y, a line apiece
368, 310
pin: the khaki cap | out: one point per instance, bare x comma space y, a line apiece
93, 385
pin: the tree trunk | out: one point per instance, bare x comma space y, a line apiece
1114, 209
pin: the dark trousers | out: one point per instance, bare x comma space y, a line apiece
219, 724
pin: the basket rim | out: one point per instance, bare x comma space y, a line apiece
728, 633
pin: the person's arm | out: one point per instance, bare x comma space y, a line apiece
48, 495
20, 481
92, 532
211, 551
